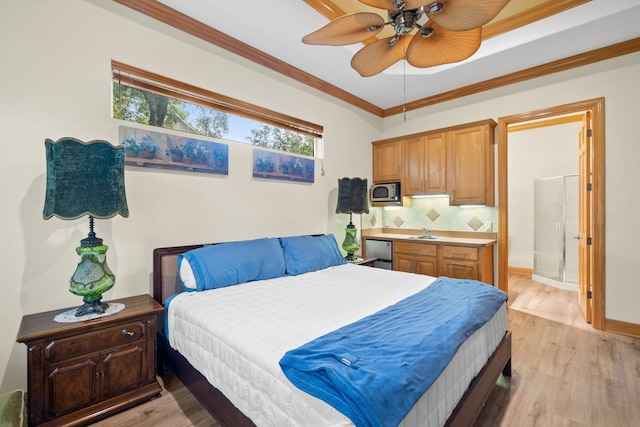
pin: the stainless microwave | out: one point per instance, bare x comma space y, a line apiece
385, 192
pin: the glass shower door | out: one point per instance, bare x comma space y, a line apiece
556, 227
548, 239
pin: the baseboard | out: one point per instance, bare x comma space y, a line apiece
623, 328
550, 282
520, 270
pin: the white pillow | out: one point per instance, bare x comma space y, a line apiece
186, 275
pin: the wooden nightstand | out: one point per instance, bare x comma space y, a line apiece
84, 371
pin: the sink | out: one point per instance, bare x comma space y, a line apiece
422, 237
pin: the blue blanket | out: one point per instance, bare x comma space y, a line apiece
376, 369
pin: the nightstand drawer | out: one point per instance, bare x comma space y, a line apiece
66, 348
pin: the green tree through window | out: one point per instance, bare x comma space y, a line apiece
140, 106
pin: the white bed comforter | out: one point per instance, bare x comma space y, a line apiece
235, 337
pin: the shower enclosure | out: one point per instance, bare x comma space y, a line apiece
555, 254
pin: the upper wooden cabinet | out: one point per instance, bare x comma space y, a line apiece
470, 172
387, 161
458, 161
424, 168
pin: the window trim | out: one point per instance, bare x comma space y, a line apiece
152, 82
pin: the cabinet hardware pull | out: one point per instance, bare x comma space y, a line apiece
129, 333
459, 253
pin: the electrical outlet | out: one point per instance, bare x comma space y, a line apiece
488, 226
386, 222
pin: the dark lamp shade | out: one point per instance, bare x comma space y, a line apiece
84, 178
352, 196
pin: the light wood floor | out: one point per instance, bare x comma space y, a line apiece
564, 373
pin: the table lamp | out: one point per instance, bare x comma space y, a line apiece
352, 198
86, 178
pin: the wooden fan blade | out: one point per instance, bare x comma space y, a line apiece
347, 29
443, 46
380, 4
377, 56
462, 15
414, 4
388, 4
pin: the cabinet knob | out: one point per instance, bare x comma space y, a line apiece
129, 333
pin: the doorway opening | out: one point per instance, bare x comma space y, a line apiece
591, 293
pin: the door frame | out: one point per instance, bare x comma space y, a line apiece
596, 108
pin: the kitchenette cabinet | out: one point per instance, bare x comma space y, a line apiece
424, 169
457, 161
387, 161
457, 259
470, 168
415, 258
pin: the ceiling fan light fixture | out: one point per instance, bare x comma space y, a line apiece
398, 4
426, 32
434, 8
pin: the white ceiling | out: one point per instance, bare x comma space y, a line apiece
276, 27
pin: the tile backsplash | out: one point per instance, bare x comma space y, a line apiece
434, 213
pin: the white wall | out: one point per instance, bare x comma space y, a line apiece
535, 153
617, 81
56, 82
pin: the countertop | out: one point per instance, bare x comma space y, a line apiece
440, 239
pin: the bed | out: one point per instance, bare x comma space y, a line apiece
264, 394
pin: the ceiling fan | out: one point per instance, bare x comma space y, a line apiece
447, 31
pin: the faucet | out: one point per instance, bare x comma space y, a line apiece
427, 232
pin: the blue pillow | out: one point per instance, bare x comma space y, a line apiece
227, 264
307, 253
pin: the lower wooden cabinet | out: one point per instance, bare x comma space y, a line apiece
415, 258
437, 259
83, 371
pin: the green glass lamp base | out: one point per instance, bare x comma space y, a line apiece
350, 244
91, 279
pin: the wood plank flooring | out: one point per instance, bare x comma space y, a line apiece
564, 373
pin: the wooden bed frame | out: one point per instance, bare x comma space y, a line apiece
166, 282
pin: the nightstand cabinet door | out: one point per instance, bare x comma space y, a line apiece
70, 386
123, 369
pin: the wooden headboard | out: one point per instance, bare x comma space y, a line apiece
166, 280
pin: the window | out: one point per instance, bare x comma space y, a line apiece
144, 97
